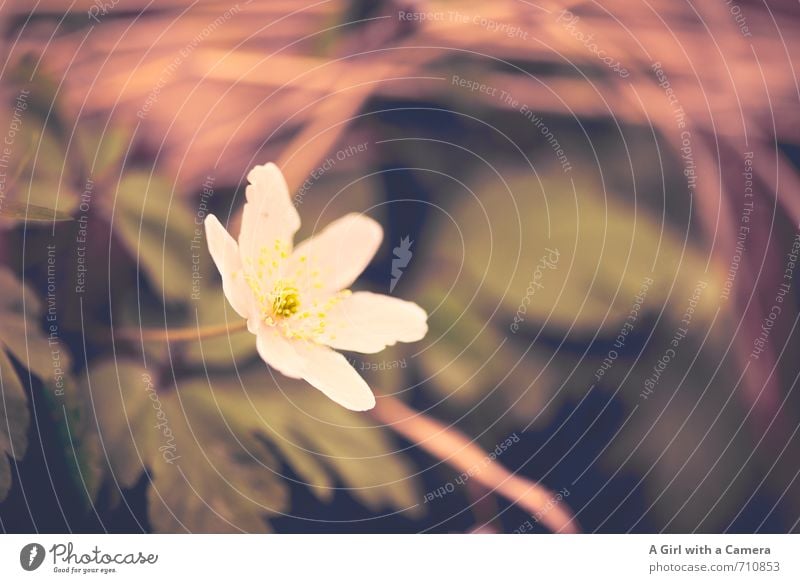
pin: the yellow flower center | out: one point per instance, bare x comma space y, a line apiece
285, 300
279, 302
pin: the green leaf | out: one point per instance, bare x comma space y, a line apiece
14, 421
48, 360
42, 184
325, 443
587, 256
102, 150
216, 447
116, 391
17, 306
602, 251
474, 362
222, 480
157, 229
20, 314
685, 438
30, 213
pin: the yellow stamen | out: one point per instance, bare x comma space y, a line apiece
280, 300
285, 300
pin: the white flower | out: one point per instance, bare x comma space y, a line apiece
296, 301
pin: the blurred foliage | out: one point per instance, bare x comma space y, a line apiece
15, 308
44, 357
30, 213
23, 347
217, 447
156, 230
604, 249
514, 352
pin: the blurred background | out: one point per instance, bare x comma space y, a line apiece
597, 203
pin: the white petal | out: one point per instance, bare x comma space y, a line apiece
339, 253
367, 322
278, 352
225, 253
322, 367
329, 371
268, 214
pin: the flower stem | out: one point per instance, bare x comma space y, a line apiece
455, 448
178, 334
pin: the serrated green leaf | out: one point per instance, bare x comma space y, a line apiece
211, 447
14, 421
16, 303
157, 229
75, 425
586, 253
50, 362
